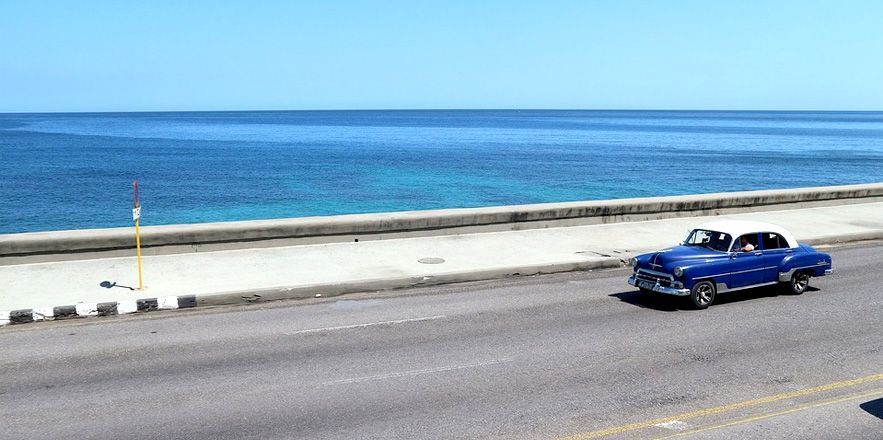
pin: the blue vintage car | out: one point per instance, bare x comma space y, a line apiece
729, 255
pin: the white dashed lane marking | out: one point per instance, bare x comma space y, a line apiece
415, 372
369, 324
676, 425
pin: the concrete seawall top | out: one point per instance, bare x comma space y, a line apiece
92, 243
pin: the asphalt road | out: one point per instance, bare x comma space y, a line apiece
579, 354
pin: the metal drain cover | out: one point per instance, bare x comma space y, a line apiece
431, 260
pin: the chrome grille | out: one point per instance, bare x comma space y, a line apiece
654, 277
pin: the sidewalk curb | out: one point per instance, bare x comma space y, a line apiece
373, 285
845, 238
83, 310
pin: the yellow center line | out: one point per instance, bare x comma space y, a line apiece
779, 413
726, 408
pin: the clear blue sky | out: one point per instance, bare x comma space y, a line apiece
335, 54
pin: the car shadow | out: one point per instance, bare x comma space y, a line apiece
654, 301
874, 408
667, 303
756, 293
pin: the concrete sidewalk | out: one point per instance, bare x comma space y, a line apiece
249, 275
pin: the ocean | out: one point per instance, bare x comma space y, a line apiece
75, 170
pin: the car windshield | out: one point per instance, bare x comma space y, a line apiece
718, 241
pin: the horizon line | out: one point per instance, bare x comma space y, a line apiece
444, 109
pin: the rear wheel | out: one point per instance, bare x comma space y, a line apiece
702, 294
799, 282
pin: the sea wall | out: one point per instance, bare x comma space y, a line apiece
99, 243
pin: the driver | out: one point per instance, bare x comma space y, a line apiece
746, 246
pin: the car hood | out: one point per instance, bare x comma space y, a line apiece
666, 259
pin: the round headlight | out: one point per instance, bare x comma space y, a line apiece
678, 271
633, 262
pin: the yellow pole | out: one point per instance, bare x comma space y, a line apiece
138, 245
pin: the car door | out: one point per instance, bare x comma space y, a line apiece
775, 248
746, 268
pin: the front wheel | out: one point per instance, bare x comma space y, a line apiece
799, 282
702, 294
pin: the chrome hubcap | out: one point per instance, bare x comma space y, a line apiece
704, 294
800, 281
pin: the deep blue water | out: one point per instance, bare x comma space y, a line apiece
73, 171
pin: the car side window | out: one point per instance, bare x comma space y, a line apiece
773, 241
750, 238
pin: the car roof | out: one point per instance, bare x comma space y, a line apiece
738, 228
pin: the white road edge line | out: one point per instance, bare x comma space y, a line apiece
414, 372
370, 324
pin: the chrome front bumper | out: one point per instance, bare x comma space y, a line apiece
657, 287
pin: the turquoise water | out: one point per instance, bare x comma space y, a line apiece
74, 171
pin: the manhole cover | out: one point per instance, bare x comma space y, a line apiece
431, 260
